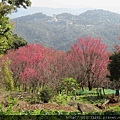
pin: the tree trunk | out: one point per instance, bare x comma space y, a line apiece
89, 86
100, 91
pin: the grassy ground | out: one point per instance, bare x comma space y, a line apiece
91, 96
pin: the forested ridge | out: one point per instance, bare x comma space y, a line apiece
62, 30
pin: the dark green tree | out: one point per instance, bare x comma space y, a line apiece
17, 3
114, 69
7, 7
16, 42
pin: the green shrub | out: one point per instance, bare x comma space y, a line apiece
61, 99
46, 94
9, 110
1, 110
79, 92
11, 101
43, 112
69, 85
56, 113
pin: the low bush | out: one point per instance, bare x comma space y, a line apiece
61, 99
46, 94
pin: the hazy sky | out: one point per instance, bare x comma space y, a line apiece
113, 5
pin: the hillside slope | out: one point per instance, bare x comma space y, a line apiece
62, 30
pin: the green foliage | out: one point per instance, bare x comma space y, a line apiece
109, 91
17, 3
34, 99
114, 67
9, 110
4, 20
1, 110
5, 26
46, 94
11, 101
11, 42
84, 92
3, 45
17, 42
54, 114
6, 34
114, 109
87, 96
61, 99
43, 112
69, 84
7, 74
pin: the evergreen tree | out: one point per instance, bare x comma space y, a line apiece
114, 67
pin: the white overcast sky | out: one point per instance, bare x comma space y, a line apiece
113, 5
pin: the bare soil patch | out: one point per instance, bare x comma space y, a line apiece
48, 106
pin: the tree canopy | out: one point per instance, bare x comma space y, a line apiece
6, 35
114, 66
17, 3
90, 57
